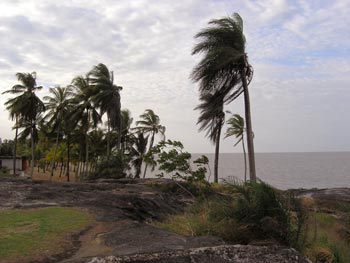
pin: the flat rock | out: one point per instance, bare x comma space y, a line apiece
218, 254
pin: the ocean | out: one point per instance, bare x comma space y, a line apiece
289, 170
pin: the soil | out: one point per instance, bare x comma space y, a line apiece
120, 231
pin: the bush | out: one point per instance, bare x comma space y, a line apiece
113, 168
4, 171
243, 213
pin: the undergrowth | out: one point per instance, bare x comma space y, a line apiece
242, 213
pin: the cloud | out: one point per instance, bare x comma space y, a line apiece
299, 50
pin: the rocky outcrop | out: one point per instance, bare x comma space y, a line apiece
218, 254
121, 233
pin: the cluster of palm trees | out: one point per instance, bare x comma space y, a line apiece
73, 115
223, 74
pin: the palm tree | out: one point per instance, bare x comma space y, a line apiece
107, 98
236, 128
84, 110
27, 106
138, 152
211, 119
126, 120
225, 67
14, 115
150, 124
57, 111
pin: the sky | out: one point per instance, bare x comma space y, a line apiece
300, 52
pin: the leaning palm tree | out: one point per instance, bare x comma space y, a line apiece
27, 106
107, 98
150, 124
211, 119
56, 105
237, 128
225, 67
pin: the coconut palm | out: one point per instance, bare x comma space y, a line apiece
211, 119
56, 105
107, 98
150, 124
138, 152
126, 120
237, 128
14, 116
84, 110
225, 67
26, 106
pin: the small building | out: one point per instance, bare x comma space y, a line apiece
7, 161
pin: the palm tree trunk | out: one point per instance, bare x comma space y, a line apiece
87, 153
32, 147
108, 136
61, 167
15, 148
119, 136
250, 142
150, 147
245, 159
54, 154
77, 168
217, 151
67, 171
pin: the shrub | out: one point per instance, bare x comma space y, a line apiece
4, 171
243, 213
113, 168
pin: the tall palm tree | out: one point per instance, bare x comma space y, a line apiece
225, 67
84, 110
107, 98
150, 124
56, 105
27, 106
211, 119
237, 128
126, 120
14, 115
138, 152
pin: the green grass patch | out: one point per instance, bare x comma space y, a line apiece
324, 239
24, 233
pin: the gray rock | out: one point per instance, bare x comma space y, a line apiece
219, 254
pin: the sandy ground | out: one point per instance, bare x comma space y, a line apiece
41, 175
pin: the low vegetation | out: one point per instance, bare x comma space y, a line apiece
4, 171
328, 235
255, 213
37, 233
242, 213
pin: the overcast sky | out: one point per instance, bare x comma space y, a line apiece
300, 51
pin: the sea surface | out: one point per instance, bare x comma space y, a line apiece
289, 170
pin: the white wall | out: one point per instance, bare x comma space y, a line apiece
9, 163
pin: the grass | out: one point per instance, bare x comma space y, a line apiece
4, 171
238, 213
324, 239
256, 213
203, 218
36, 232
